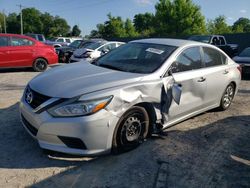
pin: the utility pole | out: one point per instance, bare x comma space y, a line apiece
4, 21
21, 18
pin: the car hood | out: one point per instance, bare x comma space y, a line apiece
81, 51
239, 59
72, 80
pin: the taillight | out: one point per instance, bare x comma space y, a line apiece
239, 67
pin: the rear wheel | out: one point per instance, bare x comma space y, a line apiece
227, 97
40, 65
131, 130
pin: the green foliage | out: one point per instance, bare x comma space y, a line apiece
75, 31
242, 25
179, 18
31, 21
36, 22
218, 26
13, 23
144, 24
115, 27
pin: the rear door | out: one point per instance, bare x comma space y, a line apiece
217, 74
4, 52
186, 73
21, 51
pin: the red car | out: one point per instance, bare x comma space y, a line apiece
22, 51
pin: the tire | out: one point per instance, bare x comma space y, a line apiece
227, 97
40, 65
131, 130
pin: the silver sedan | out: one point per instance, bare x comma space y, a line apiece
137, 89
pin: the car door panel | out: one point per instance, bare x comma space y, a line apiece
187, 74
192, 96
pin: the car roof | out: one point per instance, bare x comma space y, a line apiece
17, 35
167, 41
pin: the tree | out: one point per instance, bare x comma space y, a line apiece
130, 29
179, 18
242, 25
31, 21
60, 27
76, 31
48, 21
144, 23
218, 26
114, 27
13, 24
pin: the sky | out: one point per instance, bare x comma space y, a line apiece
88, 13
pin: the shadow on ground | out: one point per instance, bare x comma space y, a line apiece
215, 155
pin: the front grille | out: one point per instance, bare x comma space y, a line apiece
35, 99
71, 142
32, 129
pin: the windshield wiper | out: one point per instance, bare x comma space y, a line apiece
110, 67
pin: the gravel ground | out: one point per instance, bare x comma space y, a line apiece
209, 150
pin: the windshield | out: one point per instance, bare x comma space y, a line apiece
136, 57
75, 44
53, 39
204, 38
245, 53
94, 45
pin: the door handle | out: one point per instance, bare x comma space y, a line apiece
202, 79
226, 72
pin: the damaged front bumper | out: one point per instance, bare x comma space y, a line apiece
86, 135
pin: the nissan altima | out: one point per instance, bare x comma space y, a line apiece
114, 103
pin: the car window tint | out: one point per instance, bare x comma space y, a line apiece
3, 41
59, 40
16, 41
137, 57
213, 57
40, 37
108, 47
189, 59
68, 40
222, 41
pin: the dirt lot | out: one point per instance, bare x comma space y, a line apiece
210, 150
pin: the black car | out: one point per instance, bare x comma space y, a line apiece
65, 52
244, 60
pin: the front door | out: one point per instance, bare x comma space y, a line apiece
188, 76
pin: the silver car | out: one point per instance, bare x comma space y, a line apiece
137, 89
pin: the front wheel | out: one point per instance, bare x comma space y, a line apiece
131, 130
40, 65
227, 97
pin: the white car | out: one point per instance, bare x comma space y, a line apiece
94, 50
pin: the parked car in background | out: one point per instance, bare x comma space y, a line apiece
60, 41
65, 52
125, 95
23, 51
39, 37
94, 50
244, 60
219, 41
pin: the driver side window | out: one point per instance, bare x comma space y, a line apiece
189, 59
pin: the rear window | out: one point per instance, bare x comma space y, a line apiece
213, 57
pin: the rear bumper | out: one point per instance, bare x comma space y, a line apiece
53, 59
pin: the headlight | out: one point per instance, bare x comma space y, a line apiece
80, 108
